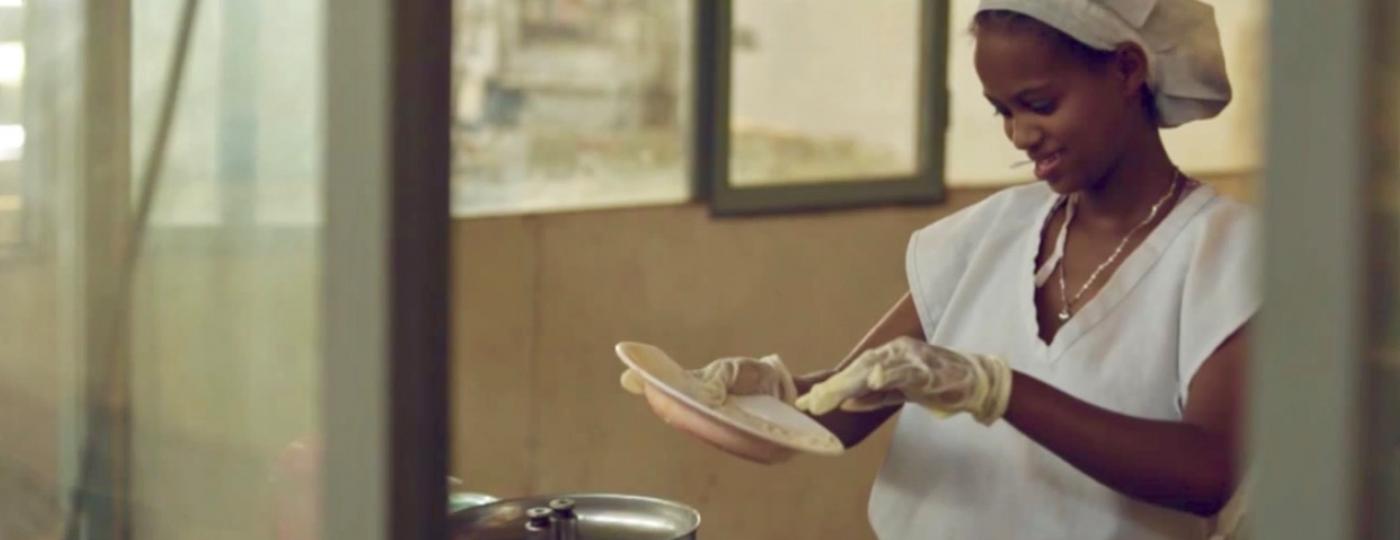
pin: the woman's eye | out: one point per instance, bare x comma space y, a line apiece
1042, 107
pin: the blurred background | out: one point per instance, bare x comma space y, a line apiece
601, 243
729, 178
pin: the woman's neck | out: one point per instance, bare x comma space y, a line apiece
1124, 196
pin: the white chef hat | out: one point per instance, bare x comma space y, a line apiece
1187, 67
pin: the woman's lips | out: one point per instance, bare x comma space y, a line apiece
1046, 166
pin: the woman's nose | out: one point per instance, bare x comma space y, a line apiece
1024, 135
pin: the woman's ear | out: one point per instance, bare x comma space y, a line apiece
1131, 67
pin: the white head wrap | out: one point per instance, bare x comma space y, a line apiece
1182, 43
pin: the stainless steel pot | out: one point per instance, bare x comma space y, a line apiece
462, 500
586, 516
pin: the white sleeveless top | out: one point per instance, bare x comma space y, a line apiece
1132, 348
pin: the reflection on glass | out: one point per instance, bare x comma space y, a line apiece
11, 63
220, 336
13, 188
569, 103
823, 90
224, 317
36, 334
11, 141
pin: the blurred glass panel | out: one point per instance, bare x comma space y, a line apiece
16, 190
224, 330
564, 104
823, 90
39, 331
196, 394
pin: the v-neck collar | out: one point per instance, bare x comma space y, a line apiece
1136, 265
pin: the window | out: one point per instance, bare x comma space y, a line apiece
564, 104
822, 103
568, 104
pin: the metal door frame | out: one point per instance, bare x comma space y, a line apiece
386, 269
1306, 377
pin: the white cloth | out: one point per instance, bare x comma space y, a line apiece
1132, 348
1187, 66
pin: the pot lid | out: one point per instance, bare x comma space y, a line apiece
598, 517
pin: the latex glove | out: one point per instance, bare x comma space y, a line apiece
910, 370
733, 376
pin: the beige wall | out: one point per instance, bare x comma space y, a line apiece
540, 301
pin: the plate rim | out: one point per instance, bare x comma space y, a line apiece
705, 409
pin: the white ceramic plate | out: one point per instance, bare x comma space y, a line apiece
765, 417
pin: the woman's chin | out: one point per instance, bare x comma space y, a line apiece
1060, 184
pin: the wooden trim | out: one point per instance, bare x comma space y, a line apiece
106, 177
419, 245
386, 269
1381, 375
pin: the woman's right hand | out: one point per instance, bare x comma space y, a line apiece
712, 385
734, 376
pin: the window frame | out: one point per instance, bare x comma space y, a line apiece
1310, 393
710, 156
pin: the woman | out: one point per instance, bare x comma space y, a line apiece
1092, 325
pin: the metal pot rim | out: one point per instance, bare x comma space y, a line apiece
537, 500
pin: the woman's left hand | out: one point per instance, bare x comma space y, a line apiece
910, 370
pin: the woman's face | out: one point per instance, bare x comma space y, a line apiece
1072, 116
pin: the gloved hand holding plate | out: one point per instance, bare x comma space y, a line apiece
760, 427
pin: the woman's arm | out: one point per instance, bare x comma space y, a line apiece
852, 428
1189, 465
